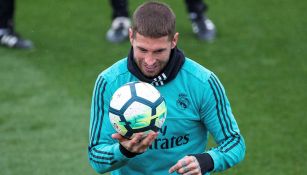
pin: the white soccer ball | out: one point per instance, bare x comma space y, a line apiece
137, 107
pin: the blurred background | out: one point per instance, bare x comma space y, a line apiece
259, 54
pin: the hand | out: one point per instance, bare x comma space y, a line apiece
137, 144
186, 166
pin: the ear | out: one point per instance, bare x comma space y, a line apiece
175, 40
130, 35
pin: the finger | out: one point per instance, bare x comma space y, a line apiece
185, 168
136, 143
174, 168
189, 169
118, 137
192, 168
195, 163
192, 172
136, 139
184, 165
177, 166
149, 139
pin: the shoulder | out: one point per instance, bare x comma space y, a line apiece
195, 71
113, 77
113, 72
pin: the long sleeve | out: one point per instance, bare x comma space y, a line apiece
219, 120
103, 152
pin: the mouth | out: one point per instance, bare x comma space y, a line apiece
150, 70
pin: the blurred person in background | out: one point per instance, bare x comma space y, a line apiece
202, 26
8, 36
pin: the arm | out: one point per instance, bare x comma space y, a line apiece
107, 149
103, 152
219, 120
216, 114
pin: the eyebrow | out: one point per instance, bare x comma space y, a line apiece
157, 50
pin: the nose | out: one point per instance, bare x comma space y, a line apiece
149, 59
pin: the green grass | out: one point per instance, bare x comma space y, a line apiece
260, 56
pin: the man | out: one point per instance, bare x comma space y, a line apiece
202, 26
196, 102
8, 36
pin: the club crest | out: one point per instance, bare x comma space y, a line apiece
182, 101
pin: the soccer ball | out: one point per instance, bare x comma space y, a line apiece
137, 107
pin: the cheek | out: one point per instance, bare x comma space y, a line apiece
163, 58
138, 54
138, 58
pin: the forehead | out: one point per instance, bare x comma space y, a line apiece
151, 43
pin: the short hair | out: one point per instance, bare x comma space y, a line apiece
154, 19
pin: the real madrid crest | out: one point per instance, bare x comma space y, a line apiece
182, 101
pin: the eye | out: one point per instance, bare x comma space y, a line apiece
142, 50
159, 51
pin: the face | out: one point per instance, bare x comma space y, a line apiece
151, 54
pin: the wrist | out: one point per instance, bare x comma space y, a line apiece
126, 152
205, 162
